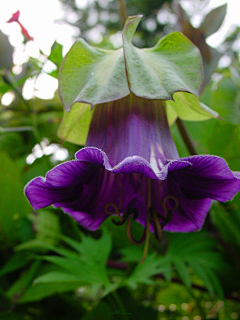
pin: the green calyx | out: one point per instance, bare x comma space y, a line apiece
171, 70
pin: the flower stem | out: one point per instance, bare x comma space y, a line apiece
123, 11
185, 136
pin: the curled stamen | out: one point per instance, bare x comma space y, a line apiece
154, 217
168, 211
147, 235
129, 228
109, 205
165, 203
123, 218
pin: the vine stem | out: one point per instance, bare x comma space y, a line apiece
185, 136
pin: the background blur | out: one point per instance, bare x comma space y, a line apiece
51, 268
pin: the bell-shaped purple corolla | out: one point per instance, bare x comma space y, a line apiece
130, 167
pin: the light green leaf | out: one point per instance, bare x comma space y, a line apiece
188, 107
75, 124
92, 75
174, 64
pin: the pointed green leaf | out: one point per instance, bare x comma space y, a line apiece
16, 262
56, 276
188, 107
75, 124
144, 271
213, 20
24, 281
202, 273
182, 271
174, 64
92, 75
43, 290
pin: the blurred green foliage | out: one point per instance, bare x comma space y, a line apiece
52, 268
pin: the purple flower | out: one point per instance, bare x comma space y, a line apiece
130, 168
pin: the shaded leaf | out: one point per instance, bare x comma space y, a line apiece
92, 75
16, 262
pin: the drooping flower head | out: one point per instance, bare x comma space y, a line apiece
15, 18
130, 167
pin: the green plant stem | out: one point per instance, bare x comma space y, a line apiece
120, 305
15, 129
7, 80
123, 11
185, 136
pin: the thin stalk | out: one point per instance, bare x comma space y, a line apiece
185, 136
123, 11
15, 129
120, 305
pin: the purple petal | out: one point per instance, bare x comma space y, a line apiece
208, 177
62, 183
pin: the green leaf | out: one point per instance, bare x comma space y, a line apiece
213, 20
144, 271
174, 64
13, 203
56, 53
226, 100
16, 262
92, 75
56, 276
47, 226
43, 290
228, 223
182, 271
86, 264
75, 124
188, 107
24, 281
199, 252
227, 143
